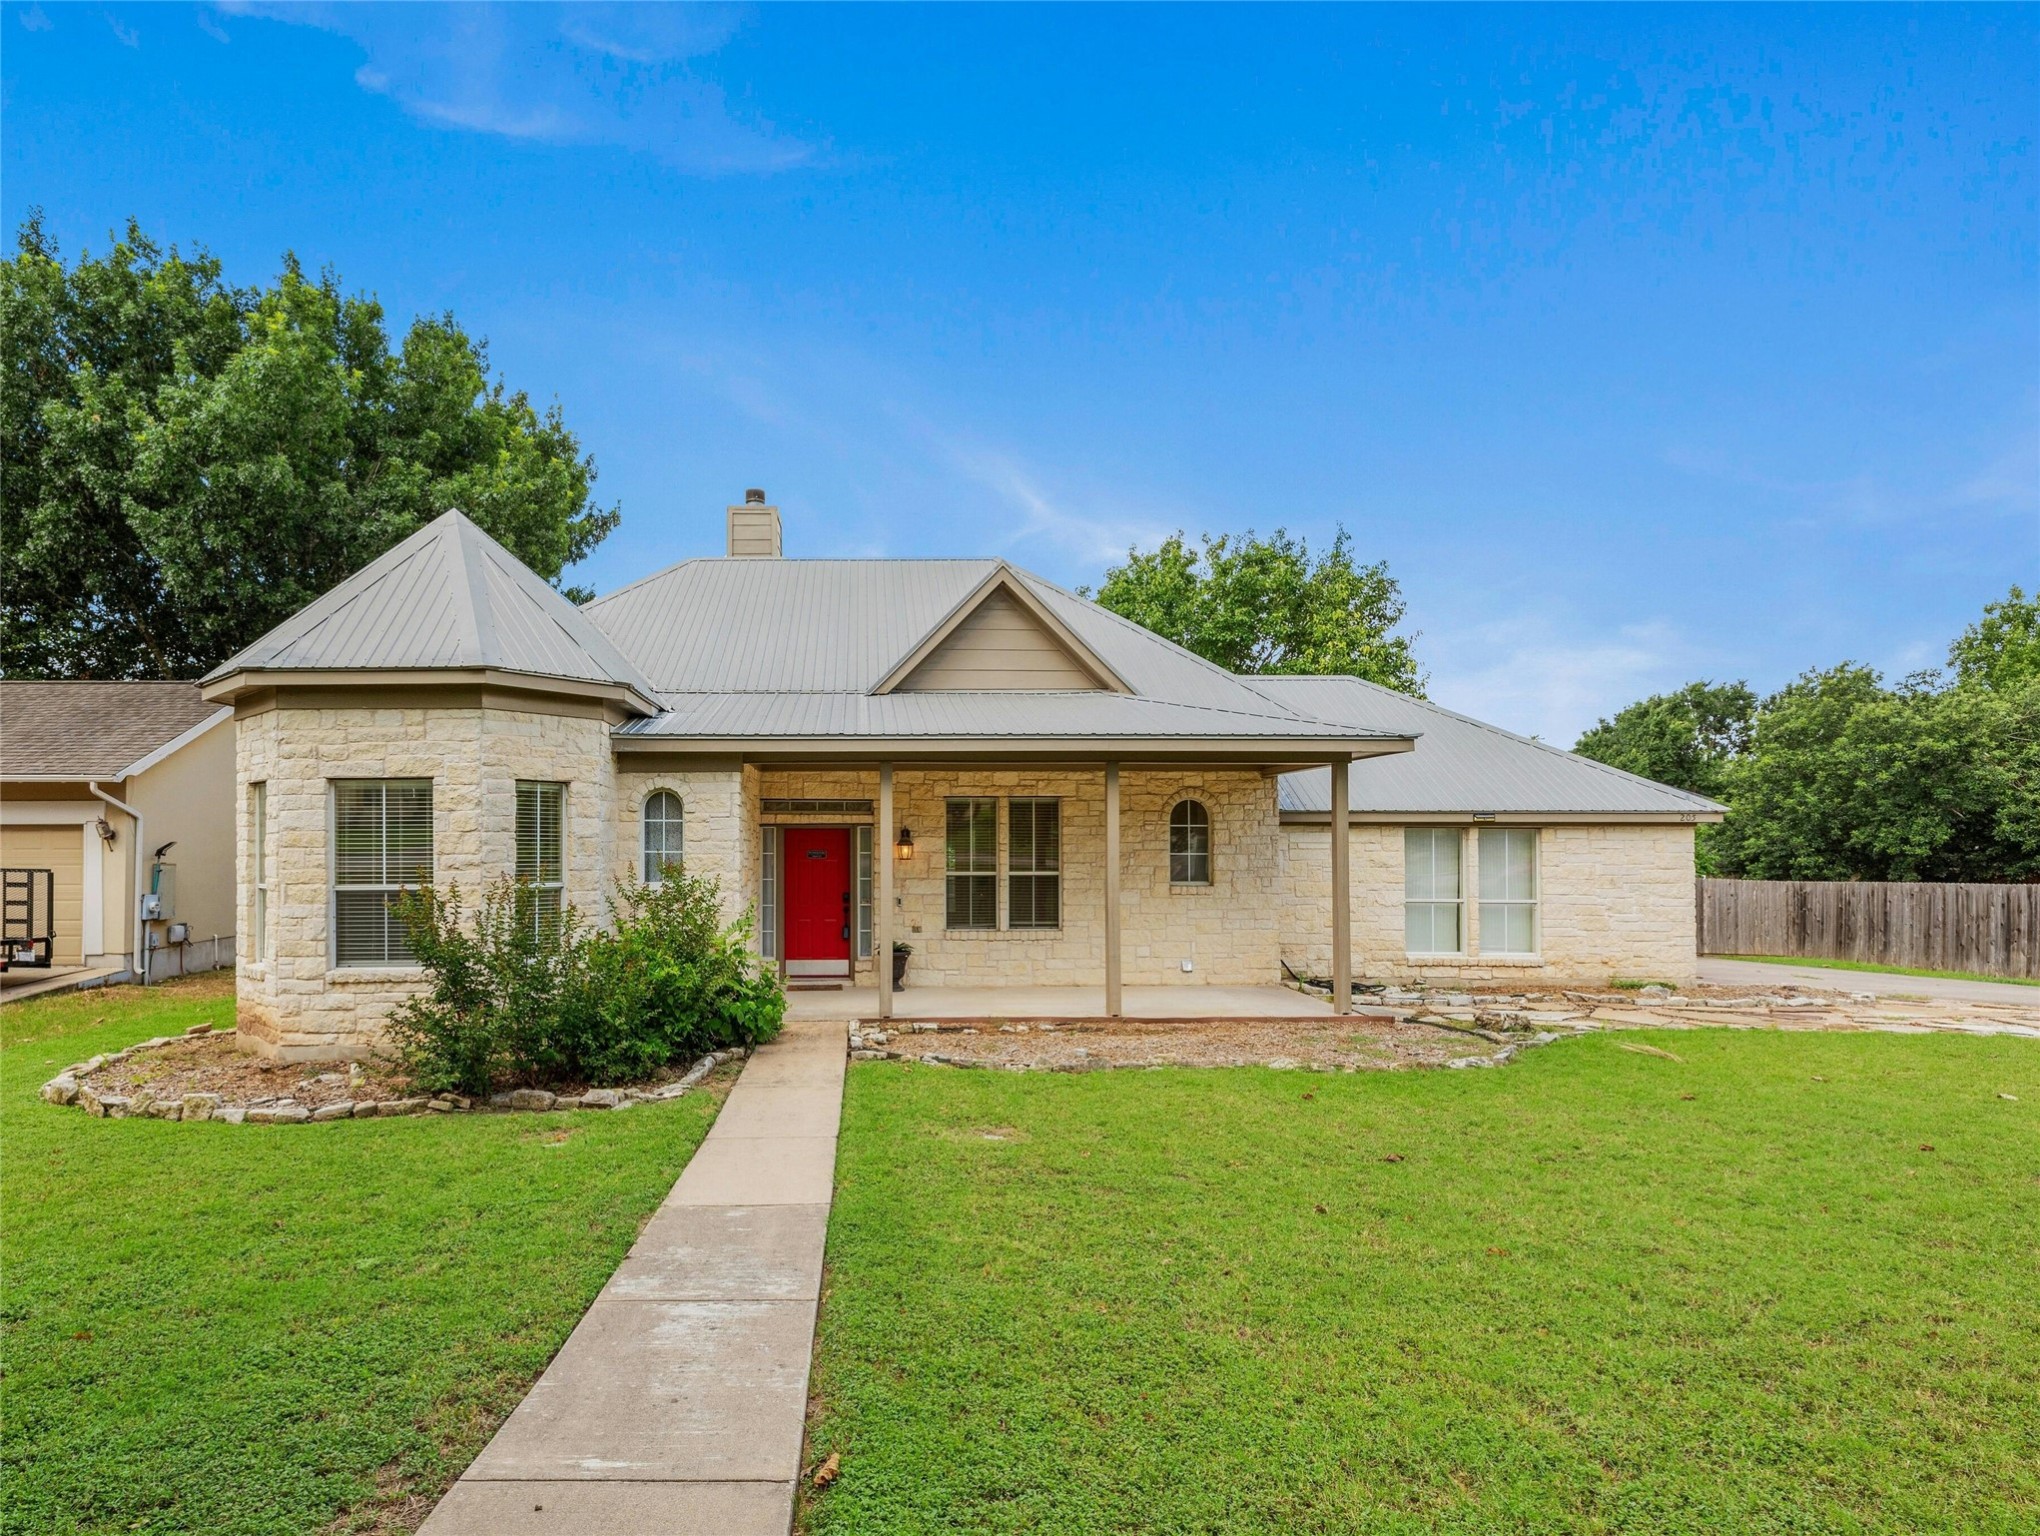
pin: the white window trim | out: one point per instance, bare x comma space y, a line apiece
537, 883
1436, 955
997, 872
1007, 872
1169, 845
258, 840
1535, 901
334, 969
657, 876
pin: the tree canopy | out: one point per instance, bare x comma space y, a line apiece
1841, 776
1265, 605
187, 463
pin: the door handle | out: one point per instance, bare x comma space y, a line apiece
846, 930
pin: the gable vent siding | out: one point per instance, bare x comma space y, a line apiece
999, 647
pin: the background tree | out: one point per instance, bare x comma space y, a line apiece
1264, 605
2001, 650
1688, 739
186, 463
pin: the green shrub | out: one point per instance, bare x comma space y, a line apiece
518, 1000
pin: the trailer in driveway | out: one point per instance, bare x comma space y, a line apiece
28, 920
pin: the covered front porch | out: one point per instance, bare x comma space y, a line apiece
1064, 1004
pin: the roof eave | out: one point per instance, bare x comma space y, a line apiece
1285, 752
228, 687
1371, 817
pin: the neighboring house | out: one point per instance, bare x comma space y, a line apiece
94, 779
951, 754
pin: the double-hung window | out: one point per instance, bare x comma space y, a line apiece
541, 861
971, 863
258, 859
1432, 901
382, 847
1189, 844
1034, 864
1508, 890
663, 828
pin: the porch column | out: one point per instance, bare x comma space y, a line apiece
1342, 890
1112, 1006
881, 897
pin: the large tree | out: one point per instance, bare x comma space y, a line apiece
187, 463
1265, 605
1688, 739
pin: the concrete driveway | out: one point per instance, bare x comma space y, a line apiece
1758, 974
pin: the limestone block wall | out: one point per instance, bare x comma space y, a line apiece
294, 1002
1615, 900
1229, 931
719, 827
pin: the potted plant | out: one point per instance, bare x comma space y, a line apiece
900, 952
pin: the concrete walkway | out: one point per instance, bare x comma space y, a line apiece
1759, 973
678, 1405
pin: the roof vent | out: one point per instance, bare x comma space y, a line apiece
754, 529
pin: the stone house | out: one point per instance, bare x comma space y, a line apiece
949, 754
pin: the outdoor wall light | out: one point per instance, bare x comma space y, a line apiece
904, 848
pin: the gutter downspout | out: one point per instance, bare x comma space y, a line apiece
141, 955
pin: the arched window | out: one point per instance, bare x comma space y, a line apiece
662, 834
1189, 844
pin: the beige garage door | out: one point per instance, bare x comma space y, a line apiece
60, 850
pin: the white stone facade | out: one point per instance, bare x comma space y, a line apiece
1615, 900
294, 1001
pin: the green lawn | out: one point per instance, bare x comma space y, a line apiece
1787, 1284
266, 1329
1882, 970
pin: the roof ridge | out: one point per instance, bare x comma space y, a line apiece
1496, 730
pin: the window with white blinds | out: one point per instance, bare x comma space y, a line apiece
382, 847
971, 854
1432, 899
258, 859
1034, 864
541, 862
662, 834
1508, 890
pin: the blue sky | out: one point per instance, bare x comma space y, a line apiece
1645, 344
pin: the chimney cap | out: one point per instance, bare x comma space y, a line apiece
754, 498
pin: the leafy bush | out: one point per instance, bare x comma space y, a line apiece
518, 1000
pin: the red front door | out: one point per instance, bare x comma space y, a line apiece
818, 900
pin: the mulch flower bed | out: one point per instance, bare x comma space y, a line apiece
1394, 1028
204, 1075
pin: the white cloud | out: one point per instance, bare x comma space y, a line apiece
1528, 676
1091, 533
596, 74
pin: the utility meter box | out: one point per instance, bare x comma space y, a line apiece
159, 904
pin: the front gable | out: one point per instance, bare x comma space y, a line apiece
1001, 639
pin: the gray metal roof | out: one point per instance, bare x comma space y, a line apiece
1459, 765
92, 730
448, 596
794, 648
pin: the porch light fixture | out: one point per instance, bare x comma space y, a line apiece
904, 847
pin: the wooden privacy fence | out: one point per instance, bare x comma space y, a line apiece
1993, 930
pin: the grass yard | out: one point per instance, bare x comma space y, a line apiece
283, 1329
1883, 970
1787, 1283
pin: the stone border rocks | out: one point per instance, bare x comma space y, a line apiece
73, 1086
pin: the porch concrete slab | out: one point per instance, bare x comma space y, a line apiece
613, 1508
678, 1404
689, 1391
760, 1170
1190, 1001
788, 1111
726, 1253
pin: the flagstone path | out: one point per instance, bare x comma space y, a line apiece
677, 1405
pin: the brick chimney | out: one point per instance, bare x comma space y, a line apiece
754, 529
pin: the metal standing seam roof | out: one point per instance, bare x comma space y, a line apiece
88, 730
745, 648
1460, 764
447, 596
